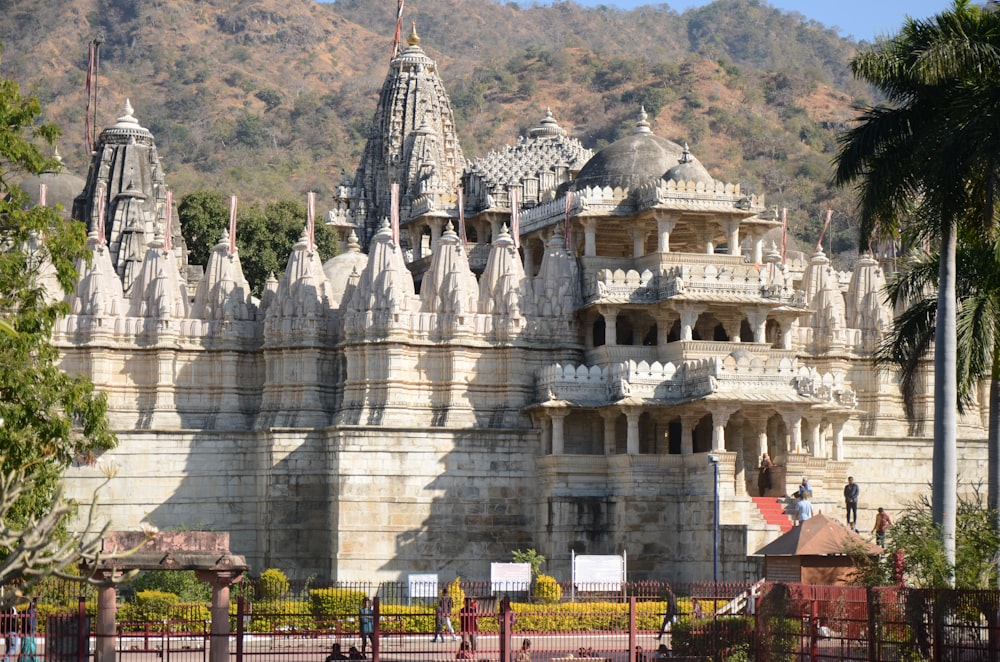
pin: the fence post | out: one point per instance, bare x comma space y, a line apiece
872, 624
82, 635
938, 645
814, 632
377, 635
632, 628
505, 626
241, 623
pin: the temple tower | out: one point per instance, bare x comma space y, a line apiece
412, 141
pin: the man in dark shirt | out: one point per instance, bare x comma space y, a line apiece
851, 492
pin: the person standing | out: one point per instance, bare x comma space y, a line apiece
12, 638
882, 523
764, 474
851, 492
28, 652
669, 613
468, 619
366, 625
443, 617
524, 655
803, 509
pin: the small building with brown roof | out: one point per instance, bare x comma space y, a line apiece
815, 552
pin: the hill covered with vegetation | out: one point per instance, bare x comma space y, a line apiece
267, 99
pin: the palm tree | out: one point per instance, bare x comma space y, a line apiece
978, 320
925, 166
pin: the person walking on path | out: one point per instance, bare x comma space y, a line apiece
443, 617
366, 625
851, 492
764, 474
882, 523
669, 613
468, 619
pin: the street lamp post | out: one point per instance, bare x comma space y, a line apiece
714, 461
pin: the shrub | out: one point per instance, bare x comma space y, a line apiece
150, 606
457, 593
273, 584
547, 589
335, 601
270, 616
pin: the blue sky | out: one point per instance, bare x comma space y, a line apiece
862, 19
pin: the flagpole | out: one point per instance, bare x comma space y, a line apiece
311, 218
461, 217
819, 242
232, 224
784, 232
515, 221
167, 243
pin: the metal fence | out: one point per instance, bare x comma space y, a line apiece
766, 622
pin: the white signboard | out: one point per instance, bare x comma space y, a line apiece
423, 586
593, 572
510, 577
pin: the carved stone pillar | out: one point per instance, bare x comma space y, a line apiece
632, 415
558, 417
220, 580
758, 248
732, 325
793, 421
106, 643
816, 435
546, 436
732, 229
589, 236
664, 226
610, 316
638, 241
529, 258
689, 313
610, 417
757, 319
837, 422
688, 422
436, 224
720, 416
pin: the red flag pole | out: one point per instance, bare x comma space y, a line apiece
515, 221
90, 78
311, 218
394, 212
784, 232
819, 242
101, 239
232, 224
399, 28
567, 227
461, 217
43, 195
167, 242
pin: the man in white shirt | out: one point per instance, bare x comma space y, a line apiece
803, 509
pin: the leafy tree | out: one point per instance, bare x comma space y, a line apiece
914, 538
925, 166
531, 557
264, 235
47, 418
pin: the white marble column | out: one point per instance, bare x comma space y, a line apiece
689, 313
688, 423
632, 415
610, 417
589, 236
638, 241
558, 431
664, 226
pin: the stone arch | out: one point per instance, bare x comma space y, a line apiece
598, 331
703, 434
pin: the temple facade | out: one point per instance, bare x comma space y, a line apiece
544, 347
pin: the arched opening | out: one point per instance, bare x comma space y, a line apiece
674, 431
772, 333
598, 331
625, 333
746, 333
703, 434
675, 332
649, 340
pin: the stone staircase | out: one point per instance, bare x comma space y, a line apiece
774, 512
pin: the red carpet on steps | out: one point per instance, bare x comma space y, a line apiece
773, 510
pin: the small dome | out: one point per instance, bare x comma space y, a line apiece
689, 169
632, 161
338, 269
61, 187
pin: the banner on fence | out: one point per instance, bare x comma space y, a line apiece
423, 586
598, 572
507, 577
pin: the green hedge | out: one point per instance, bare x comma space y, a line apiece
720, 635
338, 602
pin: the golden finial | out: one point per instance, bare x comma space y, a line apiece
414, 38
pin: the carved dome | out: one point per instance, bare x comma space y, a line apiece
689, 169
632, 161
340, 268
